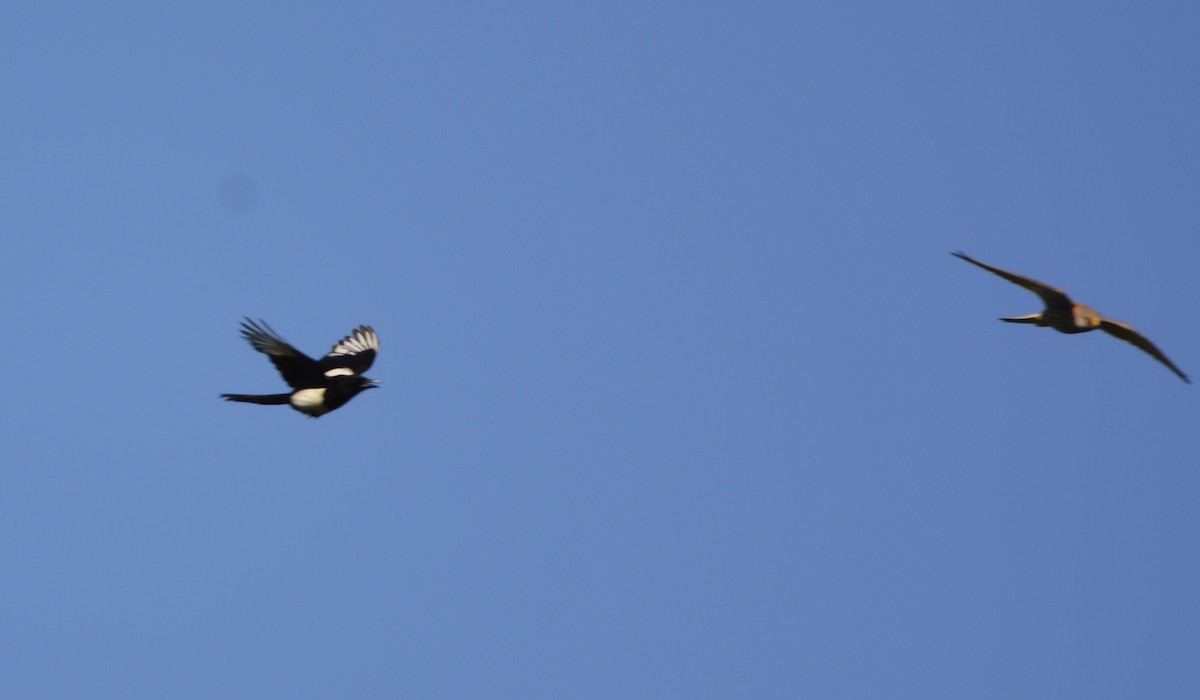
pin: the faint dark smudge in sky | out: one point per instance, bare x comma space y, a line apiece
238, 192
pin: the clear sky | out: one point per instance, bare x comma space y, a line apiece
682, 395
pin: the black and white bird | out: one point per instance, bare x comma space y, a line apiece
319, 386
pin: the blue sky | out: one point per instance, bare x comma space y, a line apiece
682, 395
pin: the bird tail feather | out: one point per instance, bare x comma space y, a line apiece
1031, 318
264, 399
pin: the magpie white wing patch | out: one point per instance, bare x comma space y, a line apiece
361, 340
353, 354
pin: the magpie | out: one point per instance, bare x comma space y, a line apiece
320, 386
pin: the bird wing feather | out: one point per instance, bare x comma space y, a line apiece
1053, 298
353, 354
297, 369
1128, 334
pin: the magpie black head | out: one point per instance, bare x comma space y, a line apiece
357, 382
320, 386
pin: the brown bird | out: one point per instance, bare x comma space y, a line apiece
1066, 316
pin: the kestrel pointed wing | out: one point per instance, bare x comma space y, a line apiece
297, 369
1126, 333
353, 354
1053, 298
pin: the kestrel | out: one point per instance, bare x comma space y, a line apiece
1066, 316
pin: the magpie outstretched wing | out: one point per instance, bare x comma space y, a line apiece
299, 370
352, 354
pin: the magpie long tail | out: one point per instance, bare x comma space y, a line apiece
265, 399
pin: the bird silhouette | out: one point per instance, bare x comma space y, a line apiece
319, 386
1066, 316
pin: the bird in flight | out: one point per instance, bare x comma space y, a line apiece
319, 386
1066, 316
